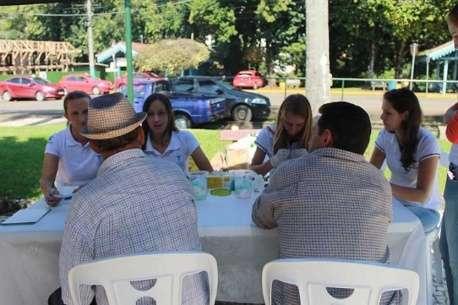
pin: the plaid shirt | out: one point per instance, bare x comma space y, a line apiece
330, 203
134, 205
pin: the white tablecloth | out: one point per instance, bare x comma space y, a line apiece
29, 253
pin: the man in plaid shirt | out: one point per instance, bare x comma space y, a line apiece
330, 202
134, 205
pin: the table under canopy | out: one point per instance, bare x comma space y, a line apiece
29, 265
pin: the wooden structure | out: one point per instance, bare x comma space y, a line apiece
29, 56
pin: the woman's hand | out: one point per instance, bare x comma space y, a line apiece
53, 197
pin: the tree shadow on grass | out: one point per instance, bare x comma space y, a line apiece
20, 169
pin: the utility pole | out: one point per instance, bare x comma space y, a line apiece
90, 39
128, 38
318, 77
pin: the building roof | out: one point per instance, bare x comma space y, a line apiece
439, 52
118, 49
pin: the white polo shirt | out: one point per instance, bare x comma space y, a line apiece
265, 141
182, 145
78, 163
427, 147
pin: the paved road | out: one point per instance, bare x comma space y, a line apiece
34, 113
431, 105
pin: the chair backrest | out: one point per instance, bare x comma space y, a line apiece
312, 276
169, 269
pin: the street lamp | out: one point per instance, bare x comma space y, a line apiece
413, 53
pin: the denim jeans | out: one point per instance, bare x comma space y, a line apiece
429, 218
449, 239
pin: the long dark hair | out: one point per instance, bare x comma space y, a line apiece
403, 100
296, 104
168, 108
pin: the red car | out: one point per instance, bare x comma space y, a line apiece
122, 81
29, 87
86, 84
248, 79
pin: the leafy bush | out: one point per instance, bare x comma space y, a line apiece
171, 56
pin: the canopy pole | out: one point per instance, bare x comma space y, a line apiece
427, 74
444, 78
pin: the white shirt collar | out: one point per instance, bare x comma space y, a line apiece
71, 140
173, 145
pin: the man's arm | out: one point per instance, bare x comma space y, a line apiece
276, 195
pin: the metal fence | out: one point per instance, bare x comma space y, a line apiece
346, 84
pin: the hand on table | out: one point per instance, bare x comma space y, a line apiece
53, 197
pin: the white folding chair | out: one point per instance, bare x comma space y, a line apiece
169, 269
312, 276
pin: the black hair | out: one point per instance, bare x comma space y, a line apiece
349, 125
405, 101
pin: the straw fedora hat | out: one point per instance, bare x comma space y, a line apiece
111, 116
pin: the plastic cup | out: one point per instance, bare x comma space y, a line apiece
243, 186
199, 185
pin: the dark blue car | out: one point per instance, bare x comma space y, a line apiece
189, 109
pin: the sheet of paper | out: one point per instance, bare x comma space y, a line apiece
26, 216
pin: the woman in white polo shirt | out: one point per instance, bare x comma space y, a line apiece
412, 155
165, 141
288, 139
68, 159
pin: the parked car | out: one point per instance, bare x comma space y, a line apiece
29, 87
248, 79
121, 81
189, 109
85, 83
437, 87
241, 105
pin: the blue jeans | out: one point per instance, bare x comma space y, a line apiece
449, 239
429, 218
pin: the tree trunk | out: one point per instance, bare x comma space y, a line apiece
268, 57
318, 76
370, 68
398, 60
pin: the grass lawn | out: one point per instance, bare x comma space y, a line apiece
21, 154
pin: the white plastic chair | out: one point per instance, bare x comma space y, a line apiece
312, 276
169, 269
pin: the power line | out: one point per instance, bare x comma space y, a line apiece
27, 14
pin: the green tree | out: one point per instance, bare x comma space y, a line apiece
282, 25
371, 36
172, 56
211, 17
